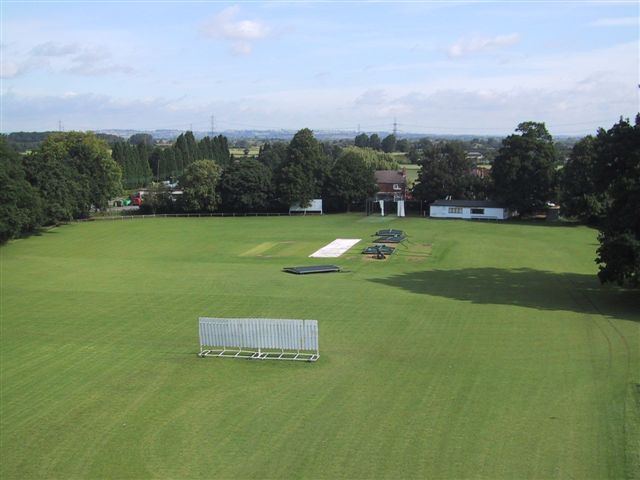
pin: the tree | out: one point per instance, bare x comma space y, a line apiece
134, 163
445, 170
246, 186
91, 159
73, 172
579, 195
403, 145
352, 180
362, 140
374, 141
524, 169
157, 199
302, 175
20, 204
389, 143
272, 155
618, 174
141, 139
199, 184
373, 159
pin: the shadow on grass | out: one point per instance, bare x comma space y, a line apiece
524, 287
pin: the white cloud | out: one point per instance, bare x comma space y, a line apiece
52, 49
466, 46
241, 33
87, 60
616, 22
9, 69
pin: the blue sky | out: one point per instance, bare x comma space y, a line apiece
437, 67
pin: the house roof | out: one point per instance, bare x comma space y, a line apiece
390, 176
467, 203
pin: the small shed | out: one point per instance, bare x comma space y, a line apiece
468, 209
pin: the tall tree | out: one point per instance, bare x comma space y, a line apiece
134, 163
445, 170
374, 141
372, 158
389, 143
403, 145
199, 184
301, 177
20, 204
352, 180
73, 171
362, 140
246, 186
524, 169
579, 195
272, 155
141, 139
618, 174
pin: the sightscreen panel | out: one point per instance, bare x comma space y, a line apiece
260, 333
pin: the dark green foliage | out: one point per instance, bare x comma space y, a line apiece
362, 140
374, 159
331, 150
165, 163
352, 180
403, 145
73, 172
302, 175
157, 199
199, 184
162, 163
134, 163
374, 141
25, 141
61, 191
580, 197
246, 186
618, 175
272, 155
20, 203
389, 143
445, 170
524, 169
141, 139
619, 257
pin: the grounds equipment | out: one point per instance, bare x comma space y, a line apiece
312, 269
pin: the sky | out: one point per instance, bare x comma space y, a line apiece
469, 67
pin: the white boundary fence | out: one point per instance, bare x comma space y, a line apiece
259, 338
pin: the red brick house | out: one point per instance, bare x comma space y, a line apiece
392, 185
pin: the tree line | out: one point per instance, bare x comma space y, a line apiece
65, 178
141, 161
281, 175
74, 172
598, 184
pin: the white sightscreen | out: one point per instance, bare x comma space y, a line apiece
259, 333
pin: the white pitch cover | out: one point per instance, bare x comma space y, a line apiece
335, 248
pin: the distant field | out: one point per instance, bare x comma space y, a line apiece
239, 152
400, 157
479, 350
412, 173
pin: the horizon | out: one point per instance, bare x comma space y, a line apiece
433, 68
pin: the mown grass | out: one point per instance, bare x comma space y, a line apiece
478, 350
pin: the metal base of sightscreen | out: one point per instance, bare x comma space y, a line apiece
261, 355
